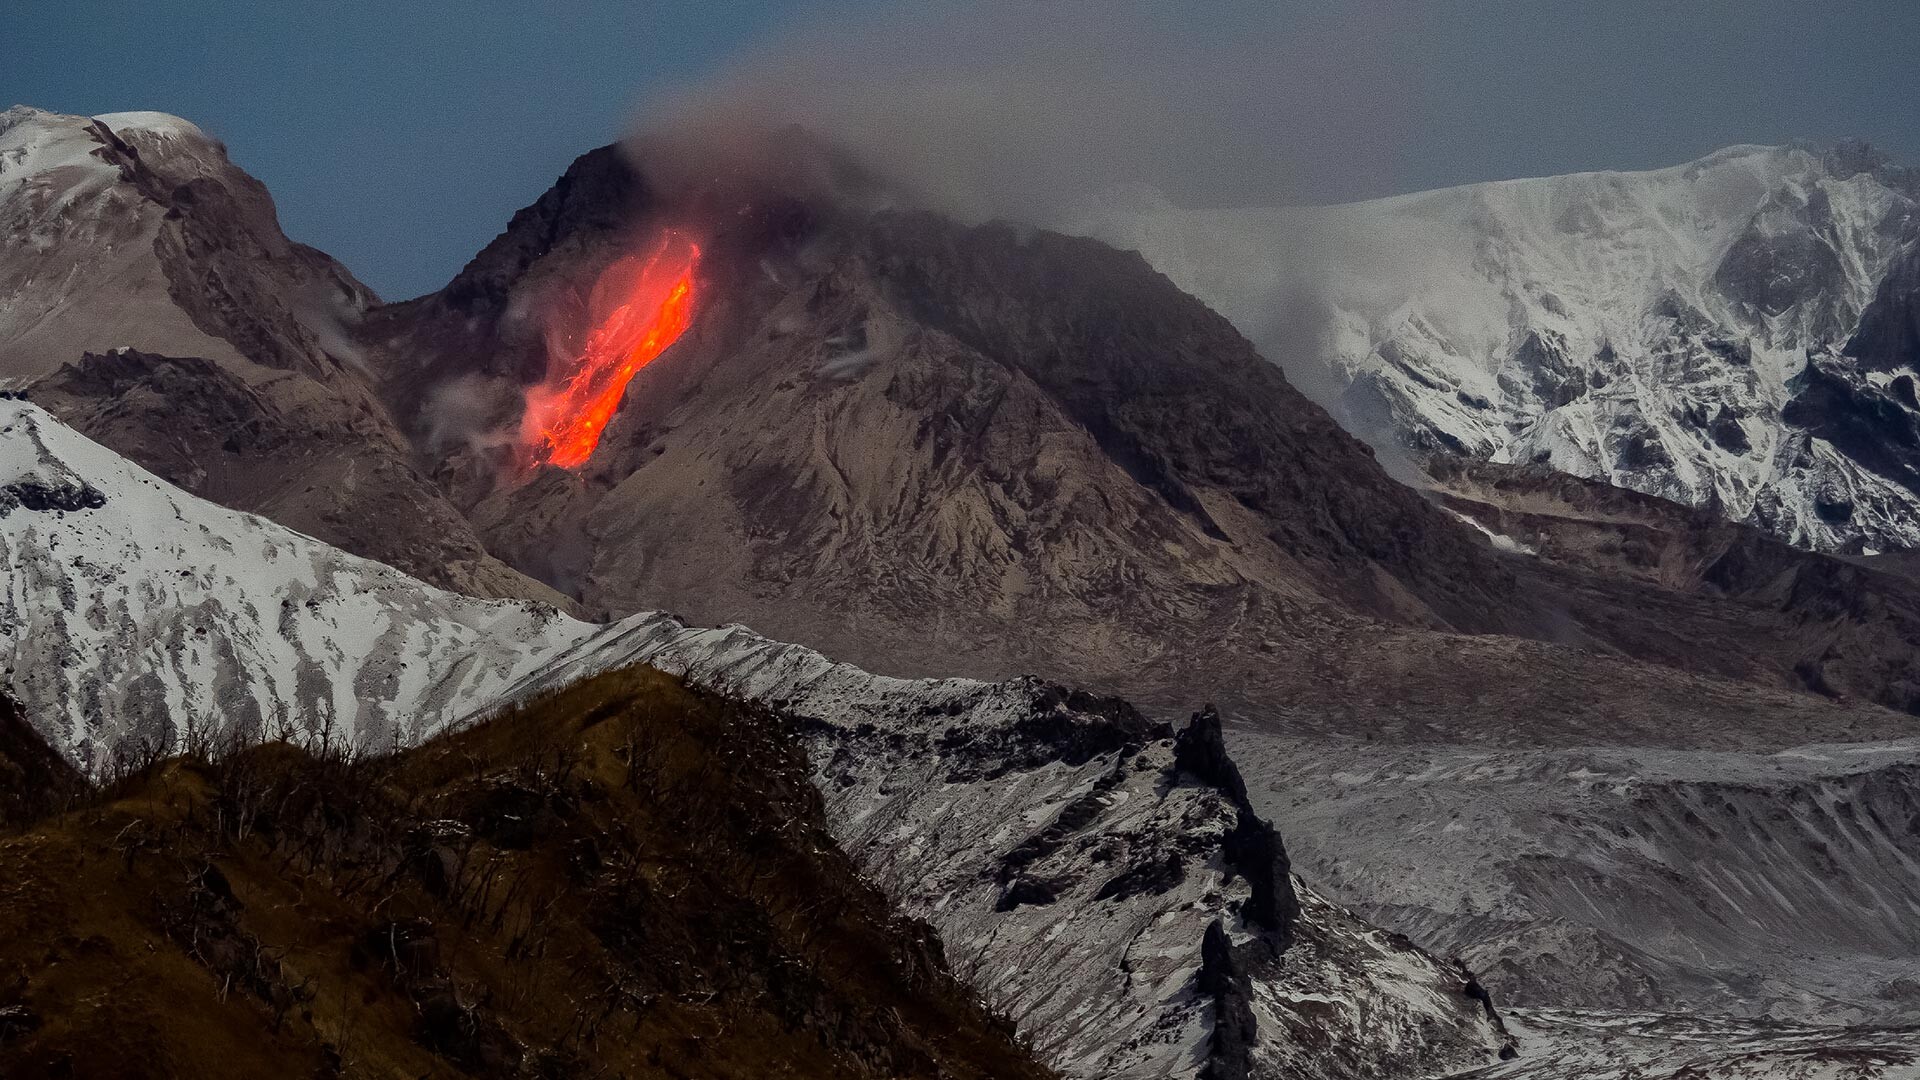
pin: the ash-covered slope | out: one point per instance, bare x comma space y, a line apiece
1772, 884
927, 447
1627, 1046
1107, 885
1741, 600
1673, 331
152, 301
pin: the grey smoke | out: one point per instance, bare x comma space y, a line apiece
469, 412
1025, 111
332, 319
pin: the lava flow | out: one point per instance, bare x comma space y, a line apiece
637, 307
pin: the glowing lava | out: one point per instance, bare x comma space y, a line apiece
637, 307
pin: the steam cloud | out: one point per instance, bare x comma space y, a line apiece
465, 412
1025, 111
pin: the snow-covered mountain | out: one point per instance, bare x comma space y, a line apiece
1103, 883
150, 299
1683, 332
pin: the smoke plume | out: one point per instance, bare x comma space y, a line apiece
1025, 111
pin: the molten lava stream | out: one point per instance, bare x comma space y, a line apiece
637, 307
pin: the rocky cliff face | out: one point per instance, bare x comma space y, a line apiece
1655, 330
155, 304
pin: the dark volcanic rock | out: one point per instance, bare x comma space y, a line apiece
1153, 877
30, 495
599, 194
1235, 1031
1888, 337
1773, 269
1254, 846
1726, 432
1200, 750
1542, 365
1870, 425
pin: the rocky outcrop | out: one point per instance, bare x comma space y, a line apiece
1254, 847
1872, 426
37, 496
1888, 336
1235, 1028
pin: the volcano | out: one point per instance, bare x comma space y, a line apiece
932, 448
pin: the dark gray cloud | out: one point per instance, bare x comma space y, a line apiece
1021, 110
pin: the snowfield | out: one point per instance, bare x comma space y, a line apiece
158, 618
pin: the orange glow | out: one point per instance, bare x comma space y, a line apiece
637, 307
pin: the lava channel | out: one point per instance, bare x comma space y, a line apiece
637, 307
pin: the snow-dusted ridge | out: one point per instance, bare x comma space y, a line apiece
1647, 328
1071, 858
156, 617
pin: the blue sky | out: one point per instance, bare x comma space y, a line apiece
399, 137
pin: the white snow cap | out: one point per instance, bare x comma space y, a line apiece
153, 123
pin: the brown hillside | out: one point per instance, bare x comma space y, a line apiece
624, 879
